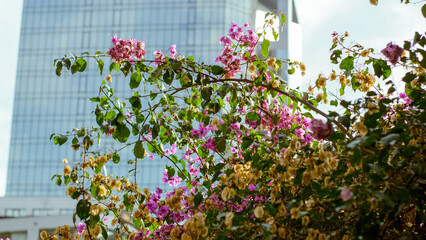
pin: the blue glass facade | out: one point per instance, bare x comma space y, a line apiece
45, 104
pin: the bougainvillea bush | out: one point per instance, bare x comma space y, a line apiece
248, 157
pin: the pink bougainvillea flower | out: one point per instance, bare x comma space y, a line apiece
80, 228
392, 52
126, 49
173, 51
252, 187
346, 194
320, 130
110, 131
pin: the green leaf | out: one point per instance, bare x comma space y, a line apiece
275, 34
424, 10
197, 200
381, 68
110, 115
67, 179
94, 220
135, 80
67, 63
100, 66
122, 133
60, 140
283, 19
139, 151
347, 64
253, 116
75, 67
265, 48
83, 208
170, 171
217, 70
114, 66
342, 89
206, 93
190, 58
168, 77
335, 56
115, 158
246, 143
220, 144
104, 232
59, 69
82, 63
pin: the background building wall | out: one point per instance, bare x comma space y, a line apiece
45, 104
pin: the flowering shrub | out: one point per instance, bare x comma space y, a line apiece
251, 158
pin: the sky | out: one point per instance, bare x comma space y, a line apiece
368, 25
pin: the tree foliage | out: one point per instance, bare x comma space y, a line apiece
249, 157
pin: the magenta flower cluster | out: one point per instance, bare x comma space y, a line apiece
392, 52
126, 49
320, 130
232, 59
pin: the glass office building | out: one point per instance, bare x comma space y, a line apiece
45, 104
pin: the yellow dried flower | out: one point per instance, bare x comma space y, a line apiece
322, 236
43, 235
66, 235
310, 90
321, 81
96, 210
65, 161
365, 53
306, 178
215, 122
117, 236
282, 232
342, 79
69, 190
228, 219
414, 83
374, 2
258, 211
103, 159
302, 67
251, 69
102, 191
305, 220
186, 79
275, 84
295, 213
66, 228
348, 82
319, 96
174, 232
333, 76
185, 236
327, 181
361, 128
114, 221
271, 61
109, 78
67, 170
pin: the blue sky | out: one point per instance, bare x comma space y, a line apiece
371, 26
